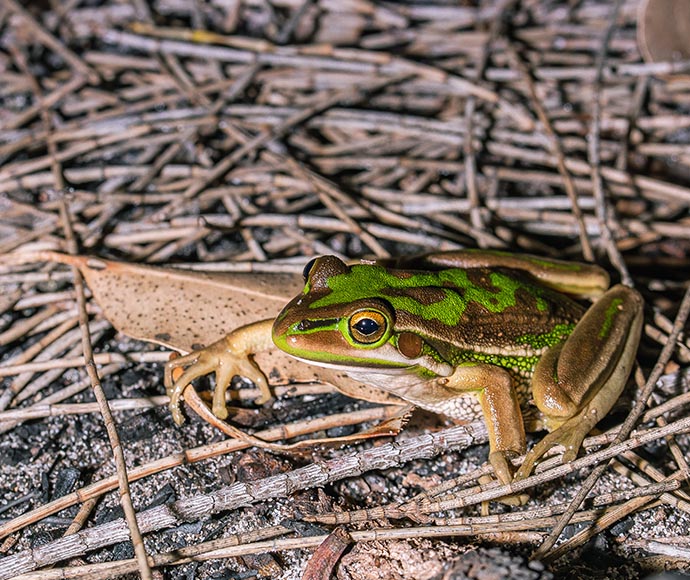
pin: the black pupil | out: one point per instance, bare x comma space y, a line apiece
307, 268
367, 326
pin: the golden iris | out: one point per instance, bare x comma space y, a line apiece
367, 326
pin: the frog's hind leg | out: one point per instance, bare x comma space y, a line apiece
576, 384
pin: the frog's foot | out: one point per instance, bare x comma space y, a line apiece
570, 435
226, 361
503, 469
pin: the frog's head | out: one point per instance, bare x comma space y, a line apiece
342, 319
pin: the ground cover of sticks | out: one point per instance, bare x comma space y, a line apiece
251, 135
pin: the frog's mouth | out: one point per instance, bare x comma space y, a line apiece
361, 368
424, 365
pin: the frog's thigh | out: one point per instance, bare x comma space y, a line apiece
590, 369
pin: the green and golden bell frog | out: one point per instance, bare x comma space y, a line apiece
463, 333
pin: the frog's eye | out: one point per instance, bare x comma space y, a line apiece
367, 326
308, 268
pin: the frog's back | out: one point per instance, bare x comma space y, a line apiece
487, 310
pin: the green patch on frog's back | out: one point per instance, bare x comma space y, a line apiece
524, 365
449, 291
540, 341
609, 316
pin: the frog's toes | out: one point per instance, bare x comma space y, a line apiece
194, 365
175, 380
502, 466
222, 358
224, 375
199, 365
570, 435
503, 469
534, 455
259, 379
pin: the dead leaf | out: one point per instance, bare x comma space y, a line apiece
663, 30
185, 310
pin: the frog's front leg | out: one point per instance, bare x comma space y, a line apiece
501, 410
228, 357
575, 384
457, 396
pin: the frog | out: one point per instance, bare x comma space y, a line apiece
461, 333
